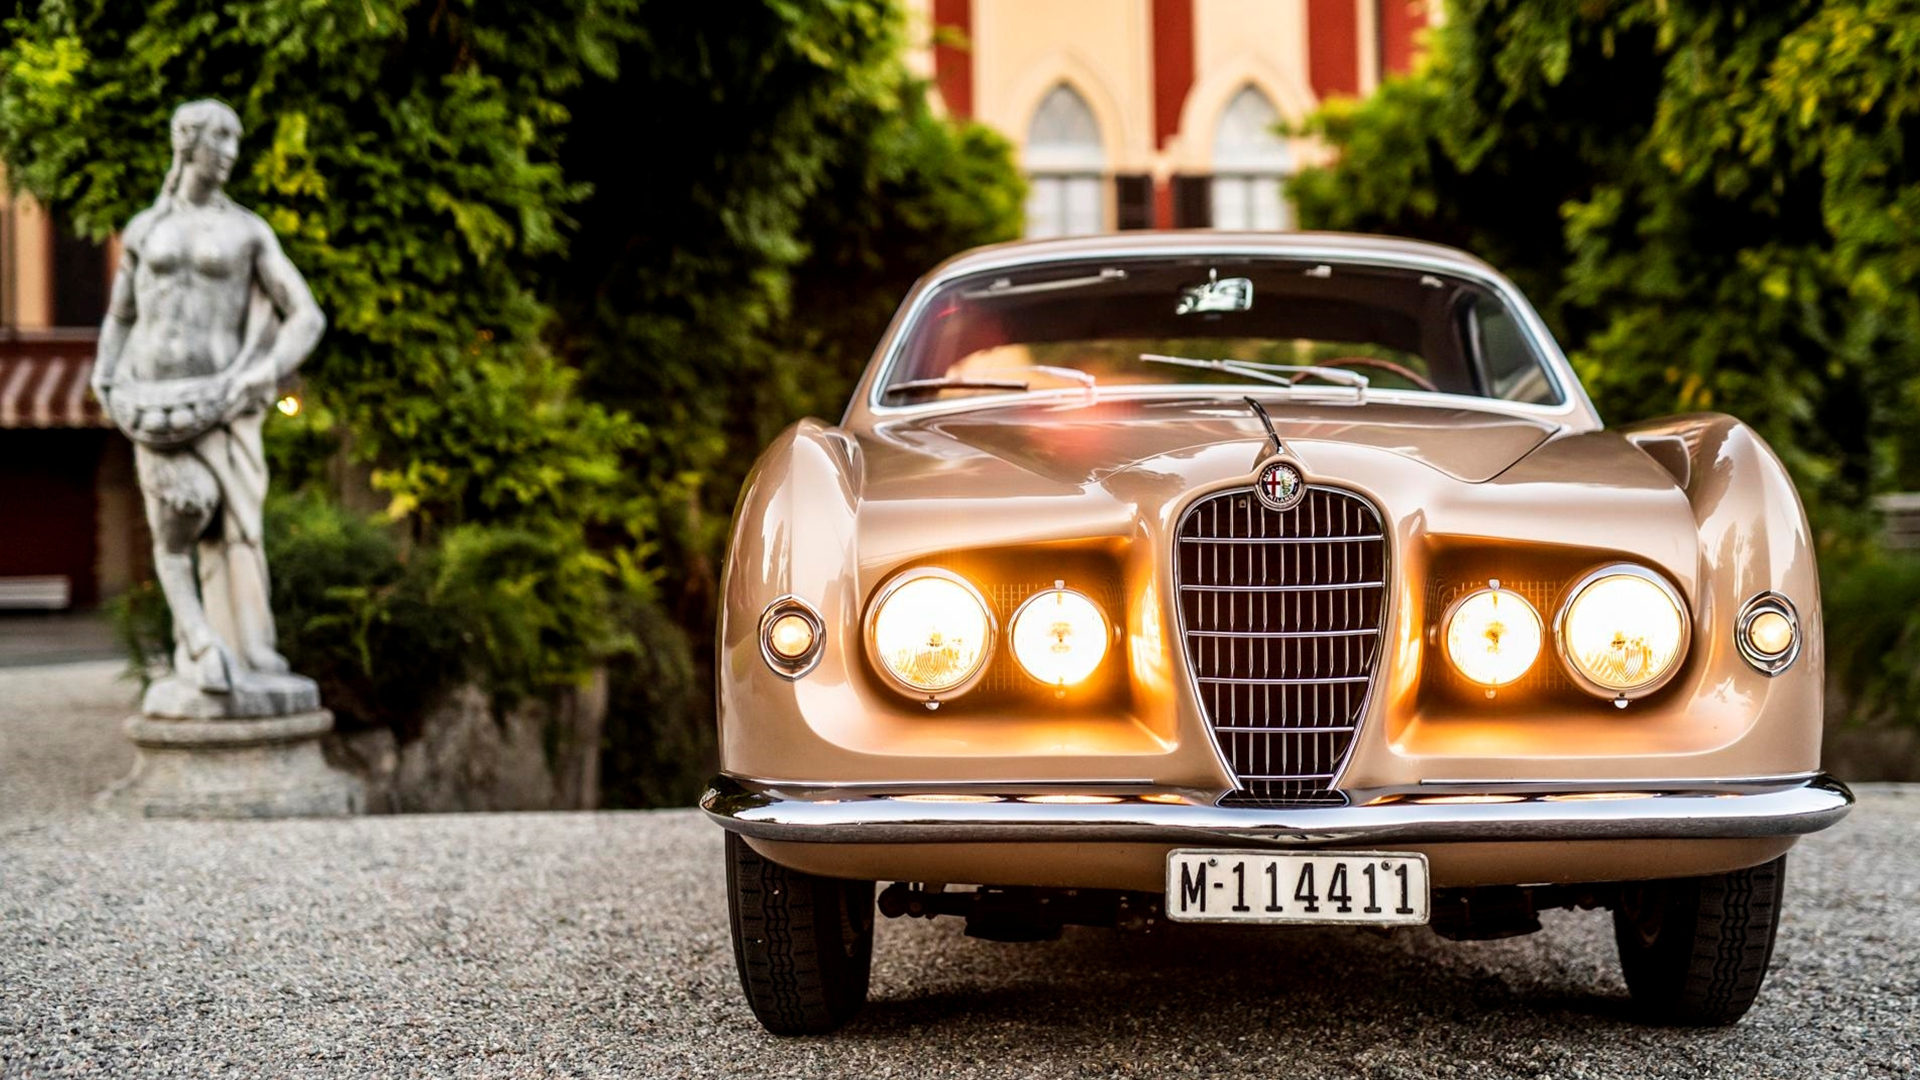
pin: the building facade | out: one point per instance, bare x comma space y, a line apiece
1132, 114
72, 531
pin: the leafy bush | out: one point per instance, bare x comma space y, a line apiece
661, 744
144, 626
1875, 604
360, 617
555, 360
1715, 204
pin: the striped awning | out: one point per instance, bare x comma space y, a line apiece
47, 391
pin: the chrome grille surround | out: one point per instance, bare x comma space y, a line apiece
1282, 614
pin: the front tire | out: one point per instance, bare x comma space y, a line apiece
803, 944
1695, 950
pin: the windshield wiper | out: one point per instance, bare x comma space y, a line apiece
1075, 374
920, 385
1006, 287
953, 382
1277, 374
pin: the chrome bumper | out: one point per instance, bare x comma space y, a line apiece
904, 815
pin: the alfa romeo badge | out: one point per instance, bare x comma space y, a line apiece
1280, 486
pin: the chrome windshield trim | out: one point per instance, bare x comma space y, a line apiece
1373, 252
888, 815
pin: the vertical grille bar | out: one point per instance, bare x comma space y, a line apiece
1281, 614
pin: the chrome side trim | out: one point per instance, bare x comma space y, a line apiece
874, 816
1688, 783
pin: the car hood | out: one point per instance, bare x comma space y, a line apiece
1071, 445
1034, 471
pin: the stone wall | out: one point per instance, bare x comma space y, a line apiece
538, 755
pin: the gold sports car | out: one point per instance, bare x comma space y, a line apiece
1275, 579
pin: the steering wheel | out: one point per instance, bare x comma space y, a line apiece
1375, 362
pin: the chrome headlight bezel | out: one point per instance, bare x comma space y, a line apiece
1755, 607
870, 633
1572, 667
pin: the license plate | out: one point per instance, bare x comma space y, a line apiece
1368, 888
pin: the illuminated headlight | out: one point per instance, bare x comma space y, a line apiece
930, 632
1623, 630
1493, 636
1059, 636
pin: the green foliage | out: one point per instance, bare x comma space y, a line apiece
911, 193
1875, 602
580, 258
144, 627
384, 627
359, 617
405, 153
1715, 205
1712, 202
721, 291
661, 741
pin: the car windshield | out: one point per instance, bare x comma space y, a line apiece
1233, 321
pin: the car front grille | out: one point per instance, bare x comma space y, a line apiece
1281, 612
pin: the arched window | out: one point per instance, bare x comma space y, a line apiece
1249, 161
1065, 161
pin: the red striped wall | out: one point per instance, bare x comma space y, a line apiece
953, 63
1172, 65
1333, 46
1400, 23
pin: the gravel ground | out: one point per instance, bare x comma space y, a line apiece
596, 945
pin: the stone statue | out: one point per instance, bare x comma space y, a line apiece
207, 316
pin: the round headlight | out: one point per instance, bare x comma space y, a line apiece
930, 632
1622, 631
1059, 636
1493, 636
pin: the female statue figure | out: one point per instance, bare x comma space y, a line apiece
207, 316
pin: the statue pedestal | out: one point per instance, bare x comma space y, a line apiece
269, 767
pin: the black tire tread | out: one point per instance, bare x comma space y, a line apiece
1709, 959
787, 943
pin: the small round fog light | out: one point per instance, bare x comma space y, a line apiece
791, 635
1767, 633
1770, 633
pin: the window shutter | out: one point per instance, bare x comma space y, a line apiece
1192, 202
1133, 201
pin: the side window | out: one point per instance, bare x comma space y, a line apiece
1512, 369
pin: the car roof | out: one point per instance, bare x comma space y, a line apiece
1359, 247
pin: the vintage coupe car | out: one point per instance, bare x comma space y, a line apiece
1270, 579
